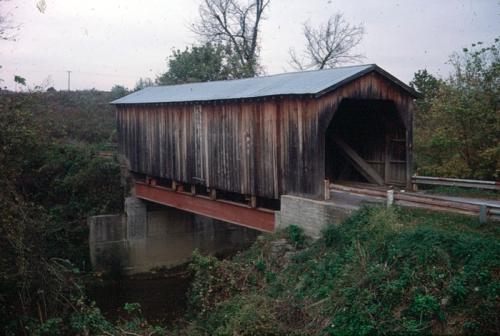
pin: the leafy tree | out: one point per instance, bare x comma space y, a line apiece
51, 180
20, 80
207, 62
6, 25
328, 45
17, 135
22, 223
459, 134
76, 116
428, 86
425, 83
143, 83
235, 24
118, 91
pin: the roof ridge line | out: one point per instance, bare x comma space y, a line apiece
312, 82
266, 76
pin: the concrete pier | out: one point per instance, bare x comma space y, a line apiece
147, 236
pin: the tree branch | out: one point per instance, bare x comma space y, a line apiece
328, 45
235, 24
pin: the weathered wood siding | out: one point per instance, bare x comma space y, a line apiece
230, 147
259, 147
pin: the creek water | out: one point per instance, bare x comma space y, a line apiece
162, 296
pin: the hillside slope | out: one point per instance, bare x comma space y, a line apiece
383, 271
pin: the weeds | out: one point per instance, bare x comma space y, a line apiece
296, 236
382, 271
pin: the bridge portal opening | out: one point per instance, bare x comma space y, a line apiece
366, 142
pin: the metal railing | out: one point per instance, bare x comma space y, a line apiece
453, 182
482, 208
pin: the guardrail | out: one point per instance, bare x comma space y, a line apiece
453, 182
483, 209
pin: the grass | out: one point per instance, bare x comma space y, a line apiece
383, 271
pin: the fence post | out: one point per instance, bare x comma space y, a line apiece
390, 197
483, 212
327, 189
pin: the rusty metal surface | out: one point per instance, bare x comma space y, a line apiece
316, 82
225, 211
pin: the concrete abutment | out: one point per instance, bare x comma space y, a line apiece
148, 236
310, 215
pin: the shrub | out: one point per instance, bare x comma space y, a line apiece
296, 235
382, 271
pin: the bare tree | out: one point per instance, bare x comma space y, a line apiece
329, 45
6, 25
236, 24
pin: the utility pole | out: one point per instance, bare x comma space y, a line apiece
69, 80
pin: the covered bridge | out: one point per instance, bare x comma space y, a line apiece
248, 141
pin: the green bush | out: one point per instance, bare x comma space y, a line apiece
296, 236
51, 179
456, 122
383, 271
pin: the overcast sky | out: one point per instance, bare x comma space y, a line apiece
106, 42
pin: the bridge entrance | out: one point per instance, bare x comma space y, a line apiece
366, 142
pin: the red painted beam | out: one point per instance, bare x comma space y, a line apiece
221, 210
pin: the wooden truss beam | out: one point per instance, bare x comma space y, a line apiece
358, 163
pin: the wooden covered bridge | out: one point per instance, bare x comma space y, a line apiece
230, 149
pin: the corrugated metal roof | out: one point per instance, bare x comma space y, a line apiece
313, 82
